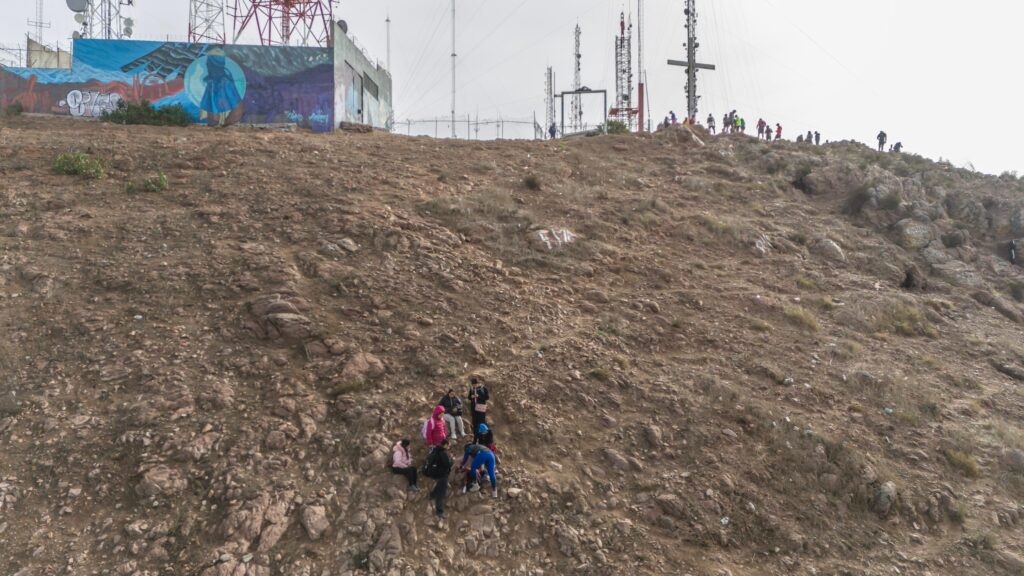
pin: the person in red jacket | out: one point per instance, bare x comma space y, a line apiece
778, 132
436, 430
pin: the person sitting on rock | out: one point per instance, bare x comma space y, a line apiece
478, 397
452, 405
401, 463
436, 432
482, 457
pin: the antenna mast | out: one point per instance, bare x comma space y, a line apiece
576, 121
549, 98
623, 110
640, 62
454, 134
286, 22
38, 23
691, 63
388, 22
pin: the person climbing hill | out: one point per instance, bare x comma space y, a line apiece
401, 463
438, 466
882, 139
478, 397
482, 458
434, 431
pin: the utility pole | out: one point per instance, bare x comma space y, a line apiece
640, 61
549, 98
388, 22
454, 135
691, 64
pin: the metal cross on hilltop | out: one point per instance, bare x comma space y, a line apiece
691, 59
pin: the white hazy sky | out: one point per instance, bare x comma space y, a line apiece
935, 74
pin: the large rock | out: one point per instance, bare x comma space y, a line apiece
840, 179
314, 520
1014, 460
161, 481
828, 249
361, 367
913, 235
885, 498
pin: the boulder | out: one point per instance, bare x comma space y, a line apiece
828, 249
314, 520
913, 235
161, 480
361, 367
885, 498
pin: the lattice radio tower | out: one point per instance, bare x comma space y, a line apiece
576, 108
549, 98
38, 23
285, 22
623, 110
102, 18
206, 21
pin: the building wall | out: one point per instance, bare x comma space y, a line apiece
217, 84
39, 56
362, 89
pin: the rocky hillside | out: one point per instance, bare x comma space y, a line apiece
730, 358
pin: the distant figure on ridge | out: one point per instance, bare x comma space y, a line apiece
401, 463
799, 138
810, 137
817, 138
778, 132
897, 147
760, 128
672, 116
725, 123
711, 124
882, 139
553, 131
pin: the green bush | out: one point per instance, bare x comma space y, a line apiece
145, 113
616, 127
79, 164
13, 110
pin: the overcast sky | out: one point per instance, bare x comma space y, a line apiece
934, 74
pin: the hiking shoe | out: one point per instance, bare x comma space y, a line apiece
474, 488
414, 488
463, 489
494, 493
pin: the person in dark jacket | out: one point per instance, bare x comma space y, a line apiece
469, 453
444, 465
452, 405
482, 459
478, 397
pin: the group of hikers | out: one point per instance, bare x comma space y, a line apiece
445, 426
733, 123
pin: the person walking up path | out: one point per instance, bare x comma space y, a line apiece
439, 466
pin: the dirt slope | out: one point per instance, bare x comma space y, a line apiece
719, 374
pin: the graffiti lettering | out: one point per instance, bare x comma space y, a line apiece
554, 238
90, 104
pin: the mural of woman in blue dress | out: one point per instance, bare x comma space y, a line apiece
215, 84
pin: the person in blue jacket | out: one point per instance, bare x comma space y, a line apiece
482, 458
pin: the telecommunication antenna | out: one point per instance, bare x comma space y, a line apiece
102, 19
549, 98
206, 22
623, 110
388, 22
38, 23
576, 107
454, 135
691, 64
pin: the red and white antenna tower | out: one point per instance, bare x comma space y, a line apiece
623, 110
206, 22
285, 22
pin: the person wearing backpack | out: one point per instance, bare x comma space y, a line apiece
434, 431
401, 463
438, 466
452, 405
478, 397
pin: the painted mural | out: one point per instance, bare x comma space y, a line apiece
217, 84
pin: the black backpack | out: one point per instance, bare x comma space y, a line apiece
432, 468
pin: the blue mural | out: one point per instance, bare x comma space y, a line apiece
217, 84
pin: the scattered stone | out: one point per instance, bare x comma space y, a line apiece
828, 249
885, 497
314, 520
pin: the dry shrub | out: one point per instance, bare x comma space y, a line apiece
962, 461
800, 317
898, 315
